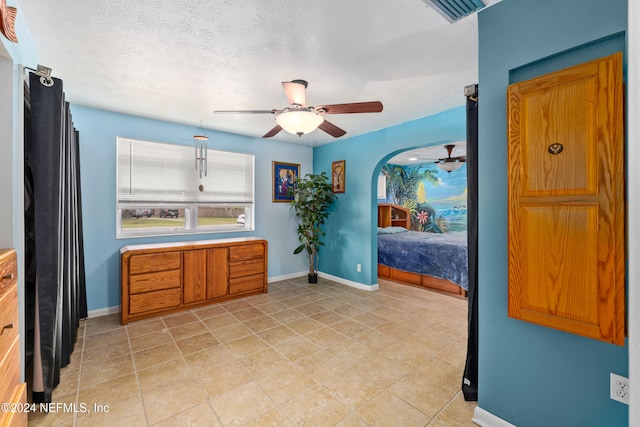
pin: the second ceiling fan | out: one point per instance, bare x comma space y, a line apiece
300, 119
449, 164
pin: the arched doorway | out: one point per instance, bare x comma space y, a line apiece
424, 190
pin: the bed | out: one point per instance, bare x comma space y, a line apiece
431, 260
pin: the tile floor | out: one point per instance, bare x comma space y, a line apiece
314, 355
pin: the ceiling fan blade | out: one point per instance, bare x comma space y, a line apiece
272, 132
247, 111
332, 129
295, 92
353, 107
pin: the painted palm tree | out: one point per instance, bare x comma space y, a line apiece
404, 183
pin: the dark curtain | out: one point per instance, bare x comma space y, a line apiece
470, 378
56, 295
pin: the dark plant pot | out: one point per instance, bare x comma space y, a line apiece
313, 278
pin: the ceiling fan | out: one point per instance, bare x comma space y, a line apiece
300, 119
450, 164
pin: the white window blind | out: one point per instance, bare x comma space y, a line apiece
153, 172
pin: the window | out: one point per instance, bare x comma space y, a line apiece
159, 192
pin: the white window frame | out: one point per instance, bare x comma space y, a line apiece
188, 203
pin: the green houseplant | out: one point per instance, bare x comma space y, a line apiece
312, 198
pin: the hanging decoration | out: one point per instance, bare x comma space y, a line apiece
200, 141
8, 21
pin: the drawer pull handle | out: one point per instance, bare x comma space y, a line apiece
8, 276
8, 326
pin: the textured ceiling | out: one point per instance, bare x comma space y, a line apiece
179, 60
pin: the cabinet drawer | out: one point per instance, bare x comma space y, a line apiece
8, 269
246, 268
16, 418
142, 303
10, 372
244, 252
246, 284
8, 319
147, 263
154, 281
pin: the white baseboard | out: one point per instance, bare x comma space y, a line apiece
351, 283
103, 311
286, 276
340, 280
487, 419
116, 309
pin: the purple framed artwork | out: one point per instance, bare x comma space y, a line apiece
284, 176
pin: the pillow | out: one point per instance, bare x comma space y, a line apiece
391, 230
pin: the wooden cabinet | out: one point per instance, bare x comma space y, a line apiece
160, 279
12, 391
566, 200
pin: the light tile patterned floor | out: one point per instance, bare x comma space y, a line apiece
314, 355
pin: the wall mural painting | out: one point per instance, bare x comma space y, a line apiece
437, 199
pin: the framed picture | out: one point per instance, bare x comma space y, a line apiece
338, 176
284, 175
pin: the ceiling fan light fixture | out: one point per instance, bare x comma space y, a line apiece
449, 166
299, 121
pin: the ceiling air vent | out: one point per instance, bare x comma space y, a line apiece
454, 10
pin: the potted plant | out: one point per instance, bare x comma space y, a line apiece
312, 198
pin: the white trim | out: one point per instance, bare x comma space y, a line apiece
116, 309
487, 419
340, 280
351, 283
633, 204
103, 311
286, 276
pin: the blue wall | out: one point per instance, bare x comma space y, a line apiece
98, 131
351, 229
530, 375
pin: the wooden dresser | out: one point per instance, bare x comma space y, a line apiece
163, 278
12, 391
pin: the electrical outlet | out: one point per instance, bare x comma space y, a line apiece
620, 388
359, 268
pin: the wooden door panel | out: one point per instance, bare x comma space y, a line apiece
217, 272
566, 200
564, 272
195, 276
562, 114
